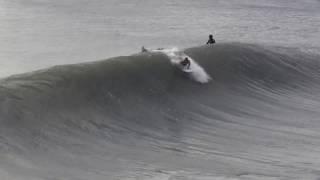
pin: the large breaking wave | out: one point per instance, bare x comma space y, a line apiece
139, 117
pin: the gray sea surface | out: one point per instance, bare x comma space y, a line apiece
36, 34
78, 101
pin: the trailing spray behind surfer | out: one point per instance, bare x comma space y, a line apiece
183, 62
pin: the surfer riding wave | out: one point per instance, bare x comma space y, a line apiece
183, 62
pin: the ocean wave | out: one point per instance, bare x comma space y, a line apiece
261, 102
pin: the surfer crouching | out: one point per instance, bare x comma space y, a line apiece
185, 63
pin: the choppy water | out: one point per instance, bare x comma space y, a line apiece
140, 117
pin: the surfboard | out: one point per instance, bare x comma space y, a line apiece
183, 68
187, 70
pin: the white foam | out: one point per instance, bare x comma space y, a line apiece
197, 73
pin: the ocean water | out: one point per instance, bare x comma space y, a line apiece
36, 34
79, 101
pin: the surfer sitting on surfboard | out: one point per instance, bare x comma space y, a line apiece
211, 40
185, 63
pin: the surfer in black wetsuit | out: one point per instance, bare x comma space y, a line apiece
185, 63
211, 40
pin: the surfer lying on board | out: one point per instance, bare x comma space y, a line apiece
143, 49
185, 63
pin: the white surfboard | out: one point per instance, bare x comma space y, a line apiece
183, 68
187, 70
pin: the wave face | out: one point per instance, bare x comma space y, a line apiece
139, 117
